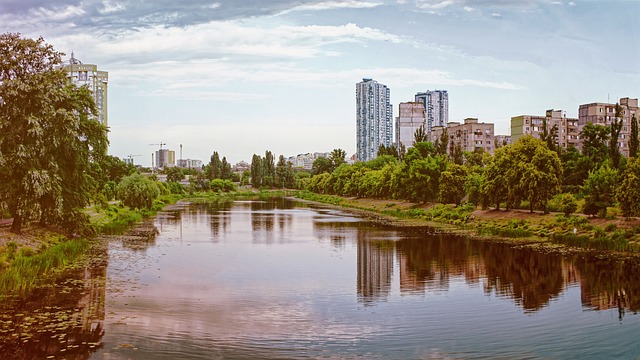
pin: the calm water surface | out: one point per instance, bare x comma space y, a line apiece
283, 280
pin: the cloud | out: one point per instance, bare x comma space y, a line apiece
330, 5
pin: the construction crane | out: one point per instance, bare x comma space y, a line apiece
161, 144
130, 157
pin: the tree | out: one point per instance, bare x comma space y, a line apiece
215, 166
550, 137
269, 169
419, 135
633, 142
321, 165
257, 171
594, 142
442, 144
174, 174
390, 150
285, 176
458, 155
614, 145
627, 192
337, 157
452, 184
599, 190
535, 174
225, 169
137, 191
48, 136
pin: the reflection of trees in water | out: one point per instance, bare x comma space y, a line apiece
531, 278
609, 284
429, 261
64, 320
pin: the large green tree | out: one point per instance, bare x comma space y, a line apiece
633, 141
614, 145
48, 136
599, 190
627, 192
337, 158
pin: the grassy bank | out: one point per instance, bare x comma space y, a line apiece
31, 259
576, 231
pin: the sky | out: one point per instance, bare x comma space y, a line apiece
244, 76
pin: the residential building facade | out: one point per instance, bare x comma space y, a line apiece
305, 161
568, 129
605, 113
471, 135
374, 118
411, 117
436, 107
190, 164
501, 140
88, 75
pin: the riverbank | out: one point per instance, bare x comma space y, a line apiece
553, 232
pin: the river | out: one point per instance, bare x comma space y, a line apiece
277, 279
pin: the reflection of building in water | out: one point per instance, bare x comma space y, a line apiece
375, 268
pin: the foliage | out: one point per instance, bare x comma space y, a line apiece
614, 145
599, 190
137, 191
285, 175
565, 203
419, 135
257, 171
627, 193
594, 142
174, 174
198, 182
452, 182
49, 138
222, 185
633, 141
321, 165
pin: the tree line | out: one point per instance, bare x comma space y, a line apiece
533, 172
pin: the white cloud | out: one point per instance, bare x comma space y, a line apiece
109, 7
329, 5
434, 4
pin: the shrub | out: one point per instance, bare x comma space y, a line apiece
137, 191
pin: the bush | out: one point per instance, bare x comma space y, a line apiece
564, 203
222, 185
137, 191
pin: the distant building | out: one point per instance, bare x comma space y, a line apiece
501, 140
604, 113
165, 158
374, 118
305, 161
190, 164
567, 134
241, 167
470, 135
410, 118
88, 75
436, 107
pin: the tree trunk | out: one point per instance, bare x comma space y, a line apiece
16, 225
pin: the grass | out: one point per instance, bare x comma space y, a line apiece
28, 267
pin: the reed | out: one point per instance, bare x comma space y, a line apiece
28, 267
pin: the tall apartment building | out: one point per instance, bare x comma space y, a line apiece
604, 113
410, 118
436, 107
470, 135
165, 158
88, 75
374, 118
568, 129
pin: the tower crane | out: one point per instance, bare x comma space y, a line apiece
161, 144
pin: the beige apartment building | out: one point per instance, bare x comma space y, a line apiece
470, 135
411, 117
604, 113
568, 128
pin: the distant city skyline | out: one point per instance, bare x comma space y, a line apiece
244, 76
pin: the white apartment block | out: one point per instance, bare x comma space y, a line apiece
411, 117
374, 118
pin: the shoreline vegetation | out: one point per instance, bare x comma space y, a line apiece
34, 257
556, 232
